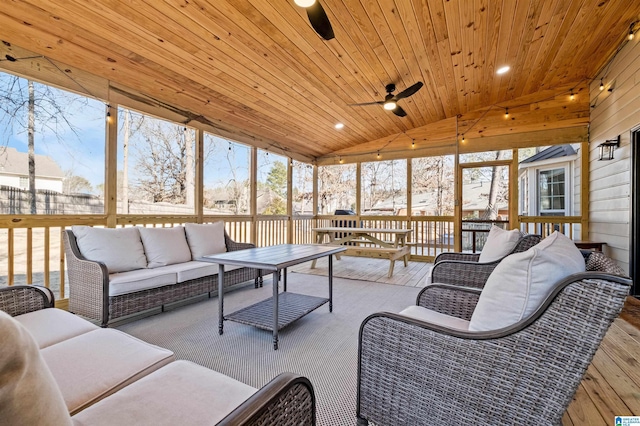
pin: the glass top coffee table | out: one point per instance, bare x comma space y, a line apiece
281, 309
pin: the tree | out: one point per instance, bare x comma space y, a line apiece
31, 106
277, 179
435, 175
73, 184
162, 163
336, 188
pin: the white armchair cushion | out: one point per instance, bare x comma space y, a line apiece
29, 394
424, 314
521, 282
205, 239
165, 246
499, 244
119, 249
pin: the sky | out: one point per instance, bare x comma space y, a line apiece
80, 147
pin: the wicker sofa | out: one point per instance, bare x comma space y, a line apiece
430, 366
59, 369
119, 272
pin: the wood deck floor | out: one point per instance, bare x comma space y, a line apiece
611, 386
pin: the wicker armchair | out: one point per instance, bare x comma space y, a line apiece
413, 372
464, 268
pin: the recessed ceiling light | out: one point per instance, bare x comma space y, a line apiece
502, 70
339, 126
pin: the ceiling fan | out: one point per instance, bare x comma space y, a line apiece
390, 101
317, 17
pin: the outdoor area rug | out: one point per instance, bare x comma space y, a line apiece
322, 346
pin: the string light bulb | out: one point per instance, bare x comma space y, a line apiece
341, 160
506, 113
463, 138
413, 144
572, 96
601, 85
631, 35
378, 156
108, 113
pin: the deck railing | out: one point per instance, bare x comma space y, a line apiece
32, 250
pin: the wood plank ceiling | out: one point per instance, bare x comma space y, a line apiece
257, 69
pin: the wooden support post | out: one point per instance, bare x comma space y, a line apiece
513, 191
585, 187
198, 198
457, 197
358, 190
254, 195
111, 166
315, 193
290, 229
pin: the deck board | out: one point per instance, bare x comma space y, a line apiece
611, 386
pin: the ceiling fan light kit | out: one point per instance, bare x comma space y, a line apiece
390, 102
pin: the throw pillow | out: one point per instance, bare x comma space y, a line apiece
521, 282
499, 244
165, 246
29, 394
119, 249
205, 239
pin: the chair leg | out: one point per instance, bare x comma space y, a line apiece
362, 422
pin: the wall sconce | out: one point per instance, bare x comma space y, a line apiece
607, 147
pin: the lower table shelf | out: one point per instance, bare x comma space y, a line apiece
291, 307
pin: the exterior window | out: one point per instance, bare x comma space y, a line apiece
552, 192
24, 182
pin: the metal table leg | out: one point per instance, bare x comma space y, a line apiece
220, 298
276, 274
330, 283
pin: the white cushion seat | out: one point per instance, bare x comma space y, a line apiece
499, 243
51, 326
518, 286
96, 364
427, 315
165, 246
181, 393
195, 269
140, 279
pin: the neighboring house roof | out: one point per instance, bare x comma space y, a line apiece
555, 151
17, 163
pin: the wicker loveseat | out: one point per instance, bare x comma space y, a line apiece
158, 271
59, 369
428, 371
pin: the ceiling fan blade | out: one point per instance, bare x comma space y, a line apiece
368, 103
409, 91
320, 21
399, 111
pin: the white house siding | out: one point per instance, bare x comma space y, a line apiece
615, 113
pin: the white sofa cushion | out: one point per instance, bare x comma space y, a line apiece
499, 244
182, 393
119, 249
521, 282
29, 394
205, 239
195, 269
165, 246
424, 314
140, 279
51, 326
94, 365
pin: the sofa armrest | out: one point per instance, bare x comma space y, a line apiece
21, 299
88, 283
467, 274
234, 245
466, 257
288, 399
448, 299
